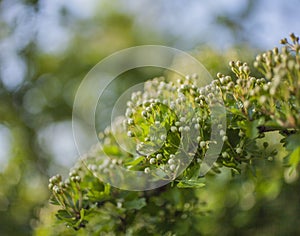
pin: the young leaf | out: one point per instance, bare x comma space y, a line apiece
190, 184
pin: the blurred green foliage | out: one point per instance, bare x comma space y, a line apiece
45, 98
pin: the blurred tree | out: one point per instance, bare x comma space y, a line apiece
43, 96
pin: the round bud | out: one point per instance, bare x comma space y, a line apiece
144, 114
219, 75
225, 154
224, 138
130, 134
246, 69
130, 121
186, 129
222, 132
173, 129
147, 170
50, 186
197, 126
262, 99
239, 150
128, 113
283, 41
172, 167
77, 178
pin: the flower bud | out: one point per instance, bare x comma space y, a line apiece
202, 144
159, 156
239, 150
130, 134
283, 41
246, 69
147, 170
224, 138
224, 154
219, 75
172, 167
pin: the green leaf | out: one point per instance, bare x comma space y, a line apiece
292, 142
63, 215
107, 189
135, 204
295, 157
99, 196
135, 161
250, 127
82, 213
236, 111
233, 166
190, 184
111, 150
53, 201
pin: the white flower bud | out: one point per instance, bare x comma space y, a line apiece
130, 121
197, 126
159, 156
172, 167
224, 154
186, 129
239, 150
147, 170
224, 138
129, 112
173, 129
130, 134
222, 132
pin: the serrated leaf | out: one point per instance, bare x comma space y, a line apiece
292, 142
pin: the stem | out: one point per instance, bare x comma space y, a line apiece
264, 129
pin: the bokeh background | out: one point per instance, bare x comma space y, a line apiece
47, 47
